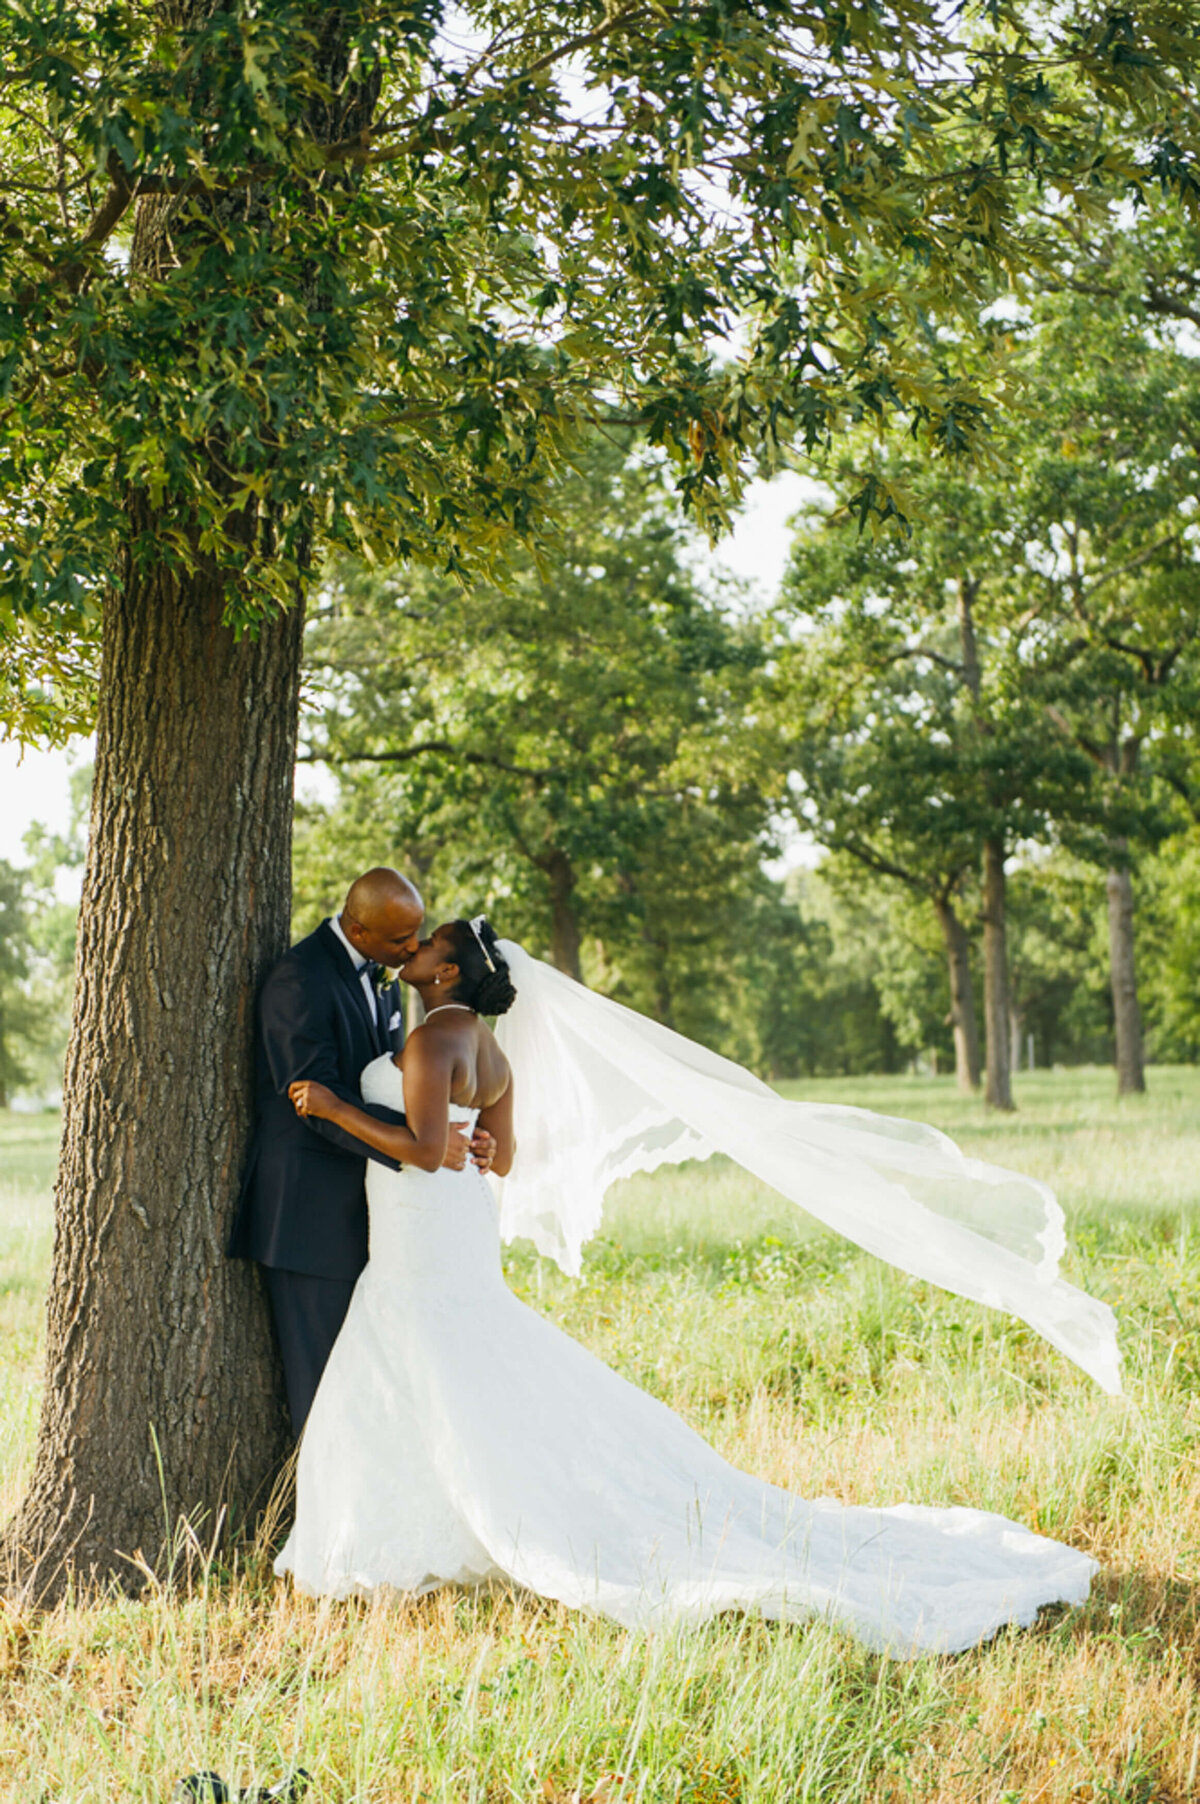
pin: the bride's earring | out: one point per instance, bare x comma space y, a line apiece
437, 980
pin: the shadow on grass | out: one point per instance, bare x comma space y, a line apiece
1146, 1614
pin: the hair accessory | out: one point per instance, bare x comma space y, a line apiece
475, 924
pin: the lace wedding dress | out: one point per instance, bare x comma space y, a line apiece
458, 1437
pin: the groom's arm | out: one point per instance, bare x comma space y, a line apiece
298, 1038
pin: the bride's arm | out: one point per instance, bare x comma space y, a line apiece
428, 1075
497, 1118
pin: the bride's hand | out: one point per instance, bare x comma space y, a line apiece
483, 1150
457, 1148
312, 1099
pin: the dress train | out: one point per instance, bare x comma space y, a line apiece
458, 1437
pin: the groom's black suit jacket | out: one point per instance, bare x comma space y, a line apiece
303, 1205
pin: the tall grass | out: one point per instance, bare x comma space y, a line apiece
802, 1360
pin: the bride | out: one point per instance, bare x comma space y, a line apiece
457, 1437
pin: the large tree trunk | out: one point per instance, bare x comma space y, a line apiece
162, 1396
998, 1093
1127, 1014
962, 996
564, 923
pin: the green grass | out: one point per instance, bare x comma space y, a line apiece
804, 1361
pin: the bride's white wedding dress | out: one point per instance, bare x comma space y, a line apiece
458, 1437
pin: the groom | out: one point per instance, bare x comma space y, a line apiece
326, 1010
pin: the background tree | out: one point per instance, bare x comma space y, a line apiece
568, 748
802, 971
919, 752
53, 874
1169, 947
865, 764
1058, 974
1111, 574
886, 931
287, 277
1080, 540
19, 1023
37, 954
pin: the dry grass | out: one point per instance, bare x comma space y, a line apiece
801, 1360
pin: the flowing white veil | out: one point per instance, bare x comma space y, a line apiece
601, 1092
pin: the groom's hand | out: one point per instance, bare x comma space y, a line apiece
457, 1148
483, 1149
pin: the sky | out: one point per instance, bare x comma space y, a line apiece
34, 784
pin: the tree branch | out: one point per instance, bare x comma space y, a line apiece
1133, 563
1158, 302
610, 25
925, 651
443, 748
1095, 752
1139, 654
1183, 790
875, 861
71, 272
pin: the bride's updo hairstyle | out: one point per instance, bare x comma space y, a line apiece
489, 991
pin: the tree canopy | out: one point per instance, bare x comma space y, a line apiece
347, 279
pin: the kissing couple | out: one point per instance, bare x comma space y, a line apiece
451, 1435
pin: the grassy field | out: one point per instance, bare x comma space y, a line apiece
802, 1360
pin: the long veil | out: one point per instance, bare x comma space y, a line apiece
601, 1092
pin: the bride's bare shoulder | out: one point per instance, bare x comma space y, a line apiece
431, 1044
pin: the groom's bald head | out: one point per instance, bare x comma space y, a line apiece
382, 914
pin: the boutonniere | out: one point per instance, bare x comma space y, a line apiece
382, 978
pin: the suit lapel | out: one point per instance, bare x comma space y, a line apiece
345, 969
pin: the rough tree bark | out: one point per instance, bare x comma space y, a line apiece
163, 1396
998, 1093
1127, 1014
962, 996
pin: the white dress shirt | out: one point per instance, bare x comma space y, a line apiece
361, 964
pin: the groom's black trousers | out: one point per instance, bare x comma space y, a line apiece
308, 1313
